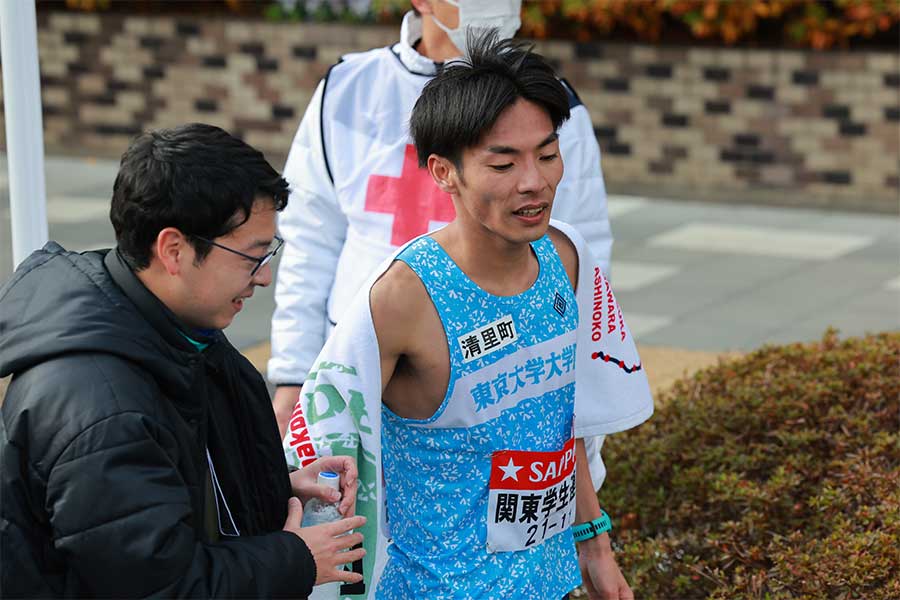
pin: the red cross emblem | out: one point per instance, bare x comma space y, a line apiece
413, 198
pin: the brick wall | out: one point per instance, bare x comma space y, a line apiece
785, 126
794, 126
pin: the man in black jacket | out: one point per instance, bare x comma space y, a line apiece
139, 452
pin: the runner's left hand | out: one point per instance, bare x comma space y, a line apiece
600, 574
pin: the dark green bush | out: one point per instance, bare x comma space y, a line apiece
776, 475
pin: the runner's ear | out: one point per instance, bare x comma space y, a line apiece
441, 171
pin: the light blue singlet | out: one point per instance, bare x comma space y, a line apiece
511, 388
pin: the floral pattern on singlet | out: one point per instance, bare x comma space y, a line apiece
437, 470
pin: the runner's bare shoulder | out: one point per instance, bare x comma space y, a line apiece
398, 301
567, 253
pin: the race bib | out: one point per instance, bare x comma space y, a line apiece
532, 497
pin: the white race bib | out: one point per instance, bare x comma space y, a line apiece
532, 497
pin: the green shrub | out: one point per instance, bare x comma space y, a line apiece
817, 24
776, 475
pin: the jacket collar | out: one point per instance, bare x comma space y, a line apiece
410, 34
151, 308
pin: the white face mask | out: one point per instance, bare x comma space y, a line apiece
502, 15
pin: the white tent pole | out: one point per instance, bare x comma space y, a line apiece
24, 127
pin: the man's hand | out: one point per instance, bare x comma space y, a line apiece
304, 482
283, 404
600, 574
328, 550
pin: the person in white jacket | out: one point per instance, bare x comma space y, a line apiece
358, 194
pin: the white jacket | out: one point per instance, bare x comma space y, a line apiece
350, 147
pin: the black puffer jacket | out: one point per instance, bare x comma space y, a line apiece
103, 437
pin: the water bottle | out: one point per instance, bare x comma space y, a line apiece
317, 512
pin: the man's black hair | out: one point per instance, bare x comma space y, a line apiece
464, 100
197, 178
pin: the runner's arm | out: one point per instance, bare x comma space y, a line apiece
599, 572
393, 301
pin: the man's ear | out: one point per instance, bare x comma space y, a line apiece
172, 249
444, 173
423, 6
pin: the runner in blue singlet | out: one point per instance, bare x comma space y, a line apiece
476, 332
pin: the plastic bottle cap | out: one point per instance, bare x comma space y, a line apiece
332, 480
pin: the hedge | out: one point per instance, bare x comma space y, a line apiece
807, 23
776, 475
804, 23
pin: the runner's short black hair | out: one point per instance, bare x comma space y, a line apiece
464, 100
197, 178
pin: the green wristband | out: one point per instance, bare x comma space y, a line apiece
585, 531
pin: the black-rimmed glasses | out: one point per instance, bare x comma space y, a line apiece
260, 261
